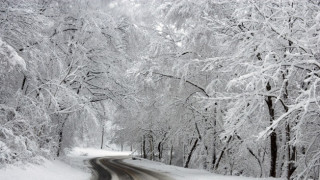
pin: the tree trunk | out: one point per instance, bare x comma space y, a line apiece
23, 82
171, 150
291, 154
257, 158
151, 148
221, 153
214, 158
160, 151
141, 150
61, 136
60, 142
273, 136
102, 137
144, 147
193, 148
273, 154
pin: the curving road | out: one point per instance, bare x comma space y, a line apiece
113, 168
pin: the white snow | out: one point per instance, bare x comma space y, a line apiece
73, 166
12, 55
49, 170
91, 153
180, 173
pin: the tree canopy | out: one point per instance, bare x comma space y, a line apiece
227, 86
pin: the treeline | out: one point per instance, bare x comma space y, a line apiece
227, 86
61, 65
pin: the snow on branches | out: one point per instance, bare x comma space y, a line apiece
11, 55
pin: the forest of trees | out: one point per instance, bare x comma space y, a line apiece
229, 86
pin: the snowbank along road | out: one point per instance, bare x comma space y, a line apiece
113, 168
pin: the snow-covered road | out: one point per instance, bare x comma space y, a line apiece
114, 168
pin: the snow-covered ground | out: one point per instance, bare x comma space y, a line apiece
180, 173
49, 170
92, 153
75, 167
71, 167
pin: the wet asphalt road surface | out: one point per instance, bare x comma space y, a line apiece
113, 168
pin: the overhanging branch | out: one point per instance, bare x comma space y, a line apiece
187, 81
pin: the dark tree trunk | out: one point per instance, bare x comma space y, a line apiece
273, 136
291, 150
144, 148
102, 137
221, 154
214, 158
193, 148
257, 158
61, 136
23, 82
274, 151
141, 150
151, 147
160, 151
171, 150
59, 143
291, 154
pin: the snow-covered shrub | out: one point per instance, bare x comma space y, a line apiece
21, 135
24, 123
7, 52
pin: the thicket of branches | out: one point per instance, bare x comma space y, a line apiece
227, 86
61, 65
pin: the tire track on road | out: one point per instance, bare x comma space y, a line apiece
113, 168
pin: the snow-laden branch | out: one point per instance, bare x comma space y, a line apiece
11, 55
187, 81
275, 123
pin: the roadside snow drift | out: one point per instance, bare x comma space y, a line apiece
49, 170
180, 173
92, 153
